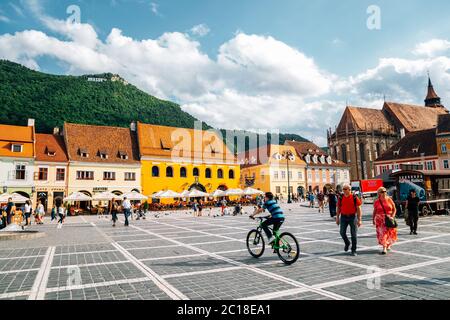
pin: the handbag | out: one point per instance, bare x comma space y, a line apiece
390, 222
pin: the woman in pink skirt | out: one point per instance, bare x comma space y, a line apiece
382, 207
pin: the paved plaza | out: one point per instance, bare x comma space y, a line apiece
177, 256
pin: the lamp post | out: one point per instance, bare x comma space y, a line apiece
288, 156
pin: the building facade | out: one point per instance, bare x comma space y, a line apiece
266, 169
322, 171
102, 159
364, 134
443, 142
184, 159
417, 148
50, 170
17, 150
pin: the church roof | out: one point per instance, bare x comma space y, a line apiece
358, 118
431, 93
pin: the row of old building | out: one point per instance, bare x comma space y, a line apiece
149, 158
373, 142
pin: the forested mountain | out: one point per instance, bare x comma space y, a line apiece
104, 99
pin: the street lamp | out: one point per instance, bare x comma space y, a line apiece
289, 156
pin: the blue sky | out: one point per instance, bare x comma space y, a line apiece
249, 57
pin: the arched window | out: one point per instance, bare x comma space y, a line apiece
196, 172
183, 172
208, 173
169, 172
155, 171
344, 153
220, 174
231, 174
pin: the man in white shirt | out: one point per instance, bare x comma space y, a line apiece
126, 205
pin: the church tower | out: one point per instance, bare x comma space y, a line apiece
432, 100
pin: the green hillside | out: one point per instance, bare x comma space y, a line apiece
53, 99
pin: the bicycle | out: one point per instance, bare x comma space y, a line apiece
285, 244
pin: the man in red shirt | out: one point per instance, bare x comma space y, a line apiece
349, 214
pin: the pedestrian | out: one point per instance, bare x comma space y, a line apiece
200, 207
412, 205
9, 211
61, 214
384, 211
194, 208
53, 214
349, 214
311, 200
40, 212
321, 199
113, 208
332, 202
223, 206
27, 212
126, 205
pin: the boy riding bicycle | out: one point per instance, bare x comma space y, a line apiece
276, 219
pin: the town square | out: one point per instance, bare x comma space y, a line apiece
254, 154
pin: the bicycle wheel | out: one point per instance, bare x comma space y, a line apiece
255, 243
289, 248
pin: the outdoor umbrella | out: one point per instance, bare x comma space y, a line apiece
157, 194
234, 192
218, 194
169, 194
184, 194
198, 194
16, 198
252, 192
106, 196
135, 196
77, 196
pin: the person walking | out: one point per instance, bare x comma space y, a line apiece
40, 212
332, 202
223, 206
200, 207
9, 211
384, 209
321, 199
126, 205
412, 205
349, 214
113, 209
27, 212
61, 214
311, 200
53, 214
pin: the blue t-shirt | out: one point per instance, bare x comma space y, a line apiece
274, 209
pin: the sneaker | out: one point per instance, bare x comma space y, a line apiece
354, 254
347, 247
415, 233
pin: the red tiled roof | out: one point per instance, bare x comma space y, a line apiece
48, 143
97, 139
414, 145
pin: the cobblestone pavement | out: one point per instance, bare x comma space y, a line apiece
177, 256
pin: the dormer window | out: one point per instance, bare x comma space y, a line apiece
103, 154
123, 155
83, 153
315, 159
322, 159
308, 159
50, 152
329, 160
396, 153
415, 150
16, 148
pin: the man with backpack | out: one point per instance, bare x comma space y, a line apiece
349, 214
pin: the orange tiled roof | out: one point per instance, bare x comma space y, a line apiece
94, 140
357, 118
163, 141
16, 133
412, 117
265, 155
49, 143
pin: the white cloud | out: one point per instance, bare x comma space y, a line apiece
200, 30
255, 81
432, 48
4, 18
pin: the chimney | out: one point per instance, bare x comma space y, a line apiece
133, 126
31, 122
402, 133
56, 131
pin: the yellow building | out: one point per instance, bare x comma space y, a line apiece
266, 169
184, 159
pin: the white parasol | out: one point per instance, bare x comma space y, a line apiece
234, 192
169, 194
106, 196
135, 196
198, 194
77, 196
252, 192
16, 198
218, 194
